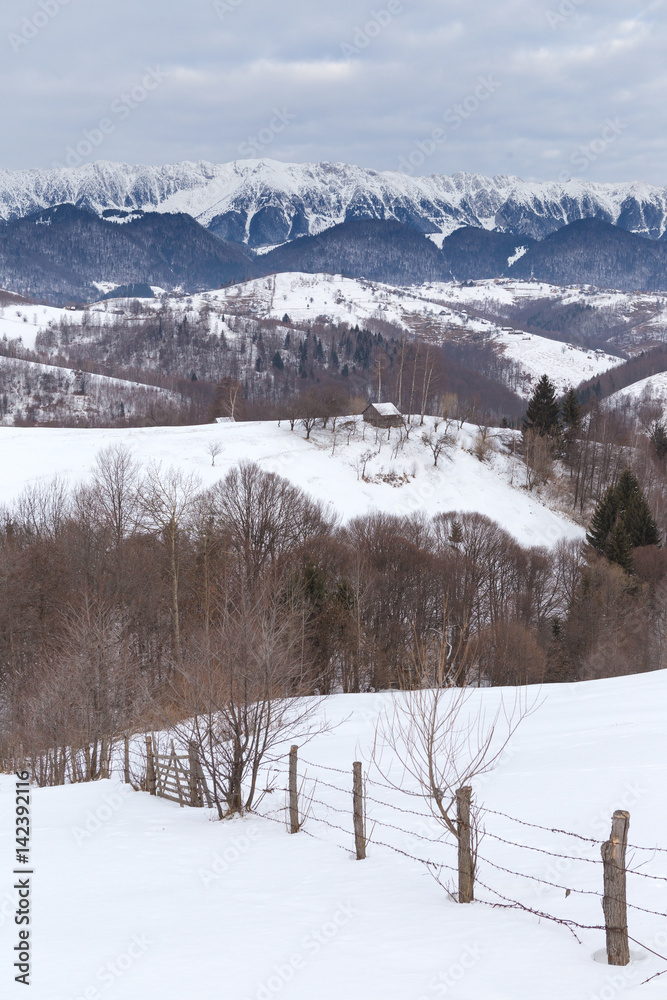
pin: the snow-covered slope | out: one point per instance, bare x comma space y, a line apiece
266, 202
435, 311
653, 388
431, 310
39, 393
134, 897
23, 322
399, 480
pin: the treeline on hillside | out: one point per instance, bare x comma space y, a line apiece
576, 452
123, 598
40, 395
647, 363
571, 322
275, 361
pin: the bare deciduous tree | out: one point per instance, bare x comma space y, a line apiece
264, 515
214, 448
238, 694
115, 481
437, 443
438, 733
167, 503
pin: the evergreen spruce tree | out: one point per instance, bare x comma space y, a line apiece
277, 361
622, 519
640, 523
627, 490
619, 547
571, 413
659, 440
543, 412
603, 521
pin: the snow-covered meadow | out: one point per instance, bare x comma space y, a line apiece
398, 480
135, 897
436, 311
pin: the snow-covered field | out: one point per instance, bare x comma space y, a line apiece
430, 310
653, 387
329, 470
135, 897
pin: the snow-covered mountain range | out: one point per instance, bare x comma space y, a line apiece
265, 202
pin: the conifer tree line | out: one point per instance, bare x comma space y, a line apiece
585, 450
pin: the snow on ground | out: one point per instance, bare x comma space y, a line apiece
25, 321
460, 482
433, 311
655, 387
436, 311
565, 364
135, 897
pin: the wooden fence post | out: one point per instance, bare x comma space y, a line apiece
105, 753
293, 791
196, 798
150, 766
466, 861
174, 760
614, 900
358, 806
126, 768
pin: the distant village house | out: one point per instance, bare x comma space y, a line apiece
383, 415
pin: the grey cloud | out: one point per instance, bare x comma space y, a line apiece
367, 84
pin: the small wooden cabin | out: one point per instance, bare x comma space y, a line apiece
383, 415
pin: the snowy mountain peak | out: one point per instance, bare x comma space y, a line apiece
265, 202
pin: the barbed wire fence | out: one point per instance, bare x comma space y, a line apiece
419, 846
356, 822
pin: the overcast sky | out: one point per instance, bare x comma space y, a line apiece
529, 87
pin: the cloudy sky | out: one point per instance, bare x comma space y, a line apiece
539, 88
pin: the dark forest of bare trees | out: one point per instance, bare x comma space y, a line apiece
140, 599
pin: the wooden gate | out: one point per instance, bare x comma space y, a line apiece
177, 777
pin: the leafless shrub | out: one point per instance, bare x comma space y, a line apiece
437, 733
483, 443
437, 443
238, 694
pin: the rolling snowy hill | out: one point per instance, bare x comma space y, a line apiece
180, 902
432, 311
653, 388
398, 480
